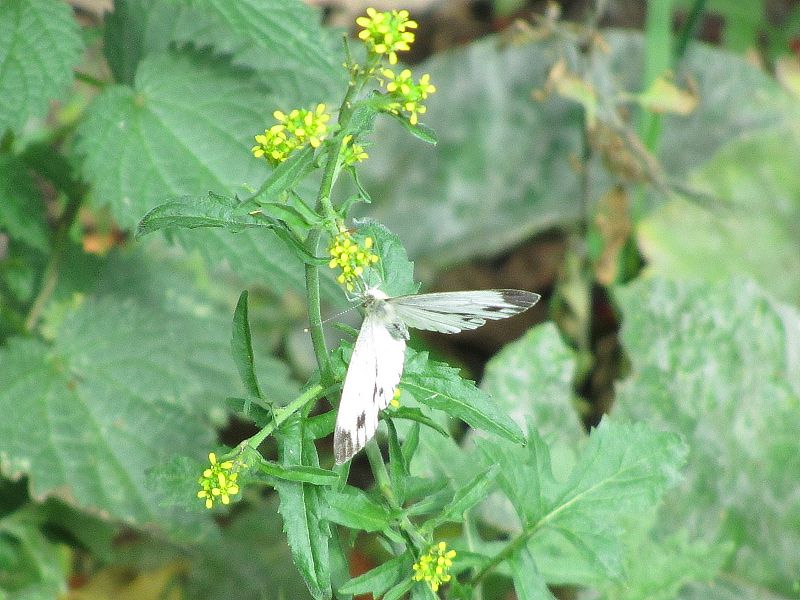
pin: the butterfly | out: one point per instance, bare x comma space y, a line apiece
377, 361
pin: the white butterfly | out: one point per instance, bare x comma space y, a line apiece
377, 361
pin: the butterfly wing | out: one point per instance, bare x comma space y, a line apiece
451, 312
372, 376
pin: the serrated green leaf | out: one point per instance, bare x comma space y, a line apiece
440, 386
748, 231
242, 347
301, 507
719, 364
353, 508
282, 40
185, 128
395, 273
114, 384
138, 27
624, 469
22, 216
192, 212
301, 473
378, 580
40, 44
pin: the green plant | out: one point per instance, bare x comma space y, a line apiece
113, 368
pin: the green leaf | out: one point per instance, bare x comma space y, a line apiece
395, 273
528, 582
468, 496
110, 385
719, 365
353, 508
22, 216
419, 131
624, 469
136, 28
287, 175
191, 212
756, 182
185, 128
242, 347
398, 465
440, 386
378, 580
415, 414
40, 44
282, 40
301, 507
301, 473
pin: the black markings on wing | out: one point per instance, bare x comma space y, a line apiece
373, 373
450, 312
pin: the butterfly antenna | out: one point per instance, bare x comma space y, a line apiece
336, 316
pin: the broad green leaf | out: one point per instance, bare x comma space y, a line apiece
579, 516
719, 364
301, 473
440, 386
381, 578
395, 272
283, 40
262, 567
186, 127
750, 230
40, 44
501, 170
353, 508
138, 27
118, 379
22, 213
242, 347
301, 506
192, 212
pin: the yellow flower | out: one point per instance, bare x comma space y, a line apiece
407, 96
387, 32
218, 482
351, 257
434, 566
395, 401
293, 131
352, 153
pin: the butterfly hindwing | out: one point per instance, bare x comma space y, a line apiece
451, 312
373, 374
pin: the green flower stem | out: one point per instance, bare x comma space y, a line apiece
385, 488
315, 311
313, 393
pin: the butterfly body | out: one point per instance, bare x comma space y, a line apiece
377, 361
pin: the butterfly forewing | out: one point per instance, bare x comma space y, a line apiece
373, 374
451, 312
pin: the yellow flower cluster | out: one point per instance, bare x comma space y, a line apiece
407, 95
351, 257
352, 153
387, 32
293, 131
395, 401
218, 482
433, 567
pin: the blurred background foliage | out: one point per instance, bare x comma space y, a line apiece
637, 163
